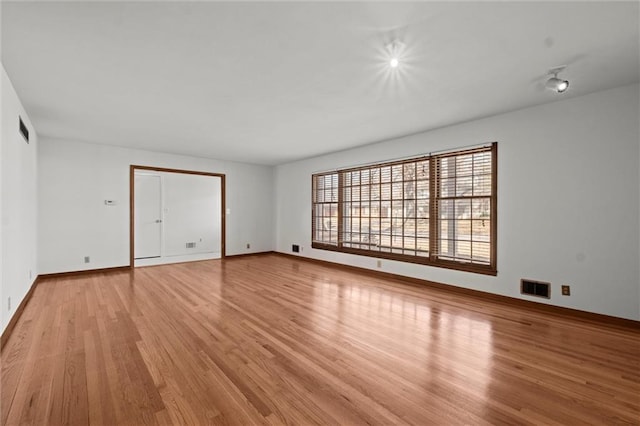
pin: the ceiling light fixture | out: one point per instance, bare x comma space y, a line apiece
557, 84
395, 49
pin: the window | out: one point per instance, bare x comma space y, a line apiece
325, 208
437, 210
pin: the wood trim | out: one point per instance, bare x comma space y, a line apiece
16, 315
85, 272
420, 260
183, 171
223, 215
505, 300
223, 208
314, 192
131, 216
494, 207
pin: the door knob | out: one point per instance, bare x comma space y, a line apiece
158, 221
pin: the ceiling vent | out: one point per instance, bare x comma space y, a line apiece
535, 288
23, 129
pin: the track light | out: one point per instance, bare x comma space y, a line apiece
557, 84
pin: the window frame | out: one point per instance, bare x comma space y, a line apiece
434, 200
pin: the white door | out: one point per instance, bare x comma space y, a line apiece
147, 216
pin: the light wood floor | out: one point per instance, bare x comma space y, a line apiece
273, 340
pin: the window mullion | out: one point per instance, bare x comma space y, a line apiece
415, 209
341, 206
403, 206
370, 207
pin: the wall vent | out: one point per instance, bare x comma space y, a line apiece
23, 129
535, 288
295, 248
191, 245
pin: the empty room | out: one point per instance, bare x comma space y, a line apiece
331, 213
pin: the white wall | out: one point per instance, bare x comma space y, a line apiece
75, 178
568, 200
191, 213
18, 205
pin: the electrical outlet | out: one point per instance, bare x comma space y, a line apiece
566, 290
9, 303
379, 263
248, 245
87, 259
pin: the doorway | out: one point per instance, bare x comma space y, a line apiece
175, 215
148, 214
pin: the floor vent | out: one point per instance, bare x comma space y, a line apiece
191, 245
535, 288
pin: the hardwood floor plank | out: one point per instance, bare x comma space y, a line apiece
276, 340
101, 409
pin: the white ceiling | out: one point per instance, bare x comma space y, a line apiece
274, 82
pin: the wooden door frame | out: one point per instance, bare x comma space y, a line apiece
223, 210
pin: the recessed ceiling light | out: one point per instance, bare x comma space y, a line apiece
395, 50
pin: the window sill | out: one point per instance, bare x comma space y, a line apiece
447, 264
